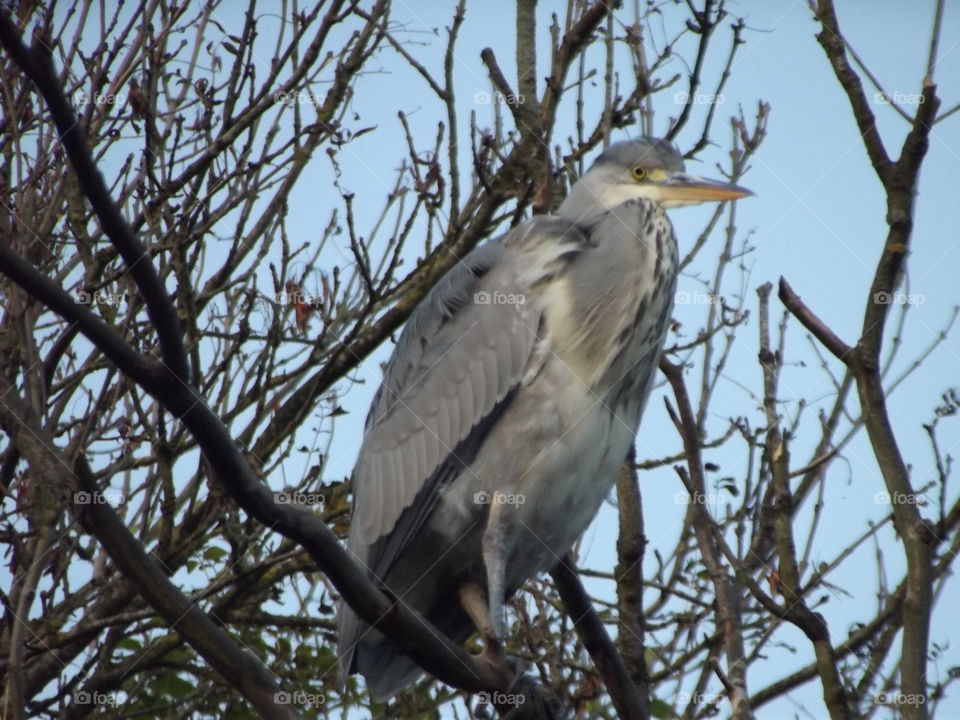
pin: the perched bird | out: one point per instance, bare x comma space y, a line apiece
511, 401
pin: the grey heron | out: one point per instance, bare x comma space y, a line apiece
511, 401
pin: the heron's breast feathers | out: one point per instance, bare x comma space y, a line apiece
607, 308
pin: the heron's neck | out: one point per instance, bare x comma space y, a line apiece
590, 199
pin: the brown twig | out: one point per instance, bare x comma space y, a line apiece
728, 603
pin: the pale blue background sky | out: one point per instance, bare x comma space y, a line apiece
818, 219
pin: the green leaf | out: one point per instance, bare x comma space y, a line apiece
129, 644
173, 686
660, 709
214, 553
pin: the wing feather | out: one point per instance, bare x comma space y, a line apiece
490, 380
446, 428
432, 440
464, 404
375, 499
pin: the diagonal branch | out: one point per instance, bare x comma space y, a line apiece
811, 322
728, 612
831, 40
412, 633
628, 701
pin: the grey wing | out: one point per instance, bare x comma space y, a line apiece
466, 346
461, 353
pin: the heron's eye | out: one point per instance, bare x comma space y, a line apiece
639, 173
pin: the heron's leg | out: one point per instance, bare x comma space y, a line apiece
495, 560
474, 602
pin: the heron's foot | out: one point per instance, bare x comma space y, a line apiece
494, 655
528, 700
523, 697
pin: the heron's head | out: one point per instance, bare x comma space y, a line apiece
643, 168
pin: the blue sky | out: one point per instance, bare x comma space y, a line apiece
817, 219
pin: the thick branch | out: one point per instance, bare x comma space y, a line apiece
900, 181
630, 704
631, 544
528, 106
413, 634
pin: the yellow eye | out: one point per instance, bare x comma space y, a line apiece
639, 173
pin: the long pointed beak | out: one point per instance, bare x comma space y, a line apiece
683, 189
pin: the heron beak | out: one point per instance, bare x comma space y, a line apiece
683, 189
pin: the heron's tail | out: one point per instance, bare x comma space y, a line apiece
368, 652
